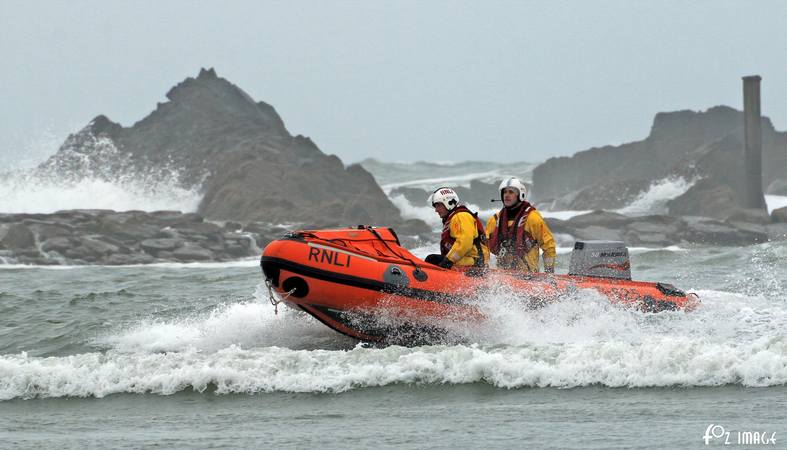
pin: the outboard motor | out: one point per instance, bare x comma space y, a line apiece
601, 259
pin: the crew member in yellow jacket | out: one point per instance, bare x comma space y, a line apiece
463, 240
517, 232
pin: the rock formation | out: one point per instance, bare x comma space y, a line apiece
129, 237
700, 145
213, 135
662, 230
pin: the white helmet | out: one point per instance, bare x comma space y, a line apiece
514, 183
446, 196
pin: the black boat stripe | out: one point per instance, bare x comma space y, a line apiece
323, 309
363, 283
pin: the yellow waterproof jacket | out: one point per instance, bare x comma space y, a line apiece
457, 242
535, 225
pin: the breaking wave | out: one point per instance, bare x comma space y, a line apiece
238, 370
31, 192
654, 200
245, 348
775, 202
89, 172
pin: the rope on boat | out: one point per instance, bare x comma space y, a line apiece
273, 298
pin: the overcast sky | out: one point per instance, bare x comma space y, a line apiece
394, 80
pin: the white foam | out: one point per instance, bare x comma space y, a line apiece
562, 215
654, 200
580, 341
775, 202
660, 362
246, 324
25, 194
425, 213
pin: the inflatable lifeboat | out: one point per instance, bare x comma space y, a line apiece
361, 282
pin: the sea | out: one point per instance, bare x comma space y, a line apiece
194, 355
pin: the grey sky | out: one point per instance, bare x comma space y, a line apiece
404, 80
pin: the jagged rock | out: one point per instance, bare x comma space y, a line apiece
713, 232
190, 252
201, 228
127, 233
650, 233
684, 144
97, 248
213, 136
17, 237
600, 218
154, 246
46, 230
779, 215
57, 244
706, 198
748, 215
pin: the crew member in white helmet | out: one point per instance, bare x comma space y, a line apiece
518, 231
463, 240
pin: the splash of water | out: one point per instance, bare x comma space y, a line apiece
89, 172
27, 193
654, 200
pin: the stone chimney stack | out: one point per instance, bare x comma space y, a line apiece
753, 142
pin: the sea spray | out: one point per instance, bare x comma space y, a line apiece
654, 200
44, 196
578, 341
662, 361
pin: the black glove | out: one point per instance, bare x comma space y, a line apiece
550, 269
446, 263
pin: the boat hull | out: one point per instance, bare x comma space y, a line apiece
361, 283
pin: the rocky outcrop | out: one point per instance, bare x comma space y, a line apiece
131, 237
213, 135
747, 228
693, 145
135, 237
779, 215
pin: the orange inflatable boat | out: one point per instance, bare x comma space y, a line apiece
361, 282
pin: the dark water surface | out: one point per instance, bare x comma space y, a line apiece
193, 356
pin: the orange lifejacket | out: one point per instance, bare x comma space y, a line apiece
512, 238
446, 241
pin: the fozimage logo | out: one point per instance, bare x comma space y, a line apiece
725, 437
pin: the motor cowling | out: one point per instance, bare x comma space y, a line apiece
600, 259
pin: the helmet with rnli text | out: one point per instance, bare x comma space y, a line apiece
445, 195
514, 183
